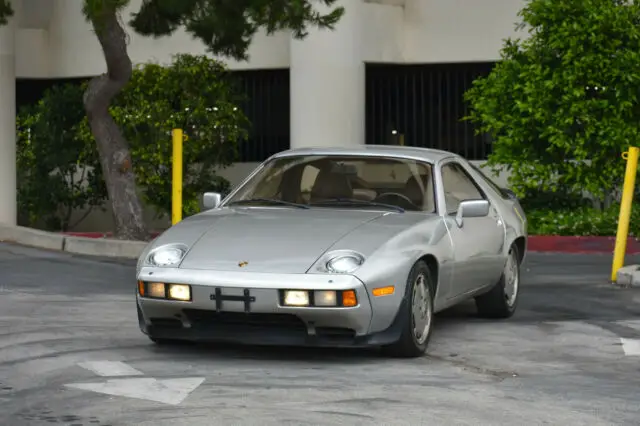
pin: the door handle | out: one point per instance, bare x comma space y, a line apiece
496, 216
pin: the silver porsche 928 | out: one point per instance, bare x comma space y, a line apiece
336, 247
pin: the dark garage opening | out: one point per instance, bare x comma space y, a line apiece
425, 104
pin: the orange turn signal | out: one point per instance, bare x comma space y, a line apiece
349, 298
384, 291
141, 288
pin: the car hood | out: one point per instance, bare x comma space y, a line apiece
268, 239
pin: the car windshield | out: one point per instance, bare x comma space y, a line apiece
326, 181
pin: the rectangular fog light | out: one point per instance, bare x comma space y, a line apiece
296, 298
156, 290
325, 298
180, 292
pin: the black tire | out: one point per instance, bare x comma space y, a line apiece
494, 304
408, 345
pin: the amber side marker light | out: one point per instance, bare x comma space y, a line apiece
141, 288
384, 291
349, 298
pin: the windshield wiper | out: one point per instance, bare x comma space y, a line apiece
355, 202
269, 201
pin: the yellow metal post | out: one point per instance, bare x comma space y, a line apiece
176, 183
625, 210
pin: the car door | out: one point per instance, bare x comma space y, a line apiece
478, 243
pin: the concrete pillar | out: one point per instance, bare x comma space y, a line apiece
328, 83
8, 204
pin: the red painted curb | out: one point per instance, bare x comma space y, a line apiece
99, 234
536, 243
567, 244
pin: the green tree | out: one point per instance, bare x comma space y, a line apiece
225, 27
194, 93
562, 104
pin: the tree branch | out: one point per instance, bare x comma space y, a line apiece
113, 40
227, 27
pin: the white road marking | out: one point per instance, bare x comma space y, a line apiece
110, 368
167, 391
631, 347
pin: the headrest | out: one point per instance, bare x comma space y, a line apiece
332, 185
415, 189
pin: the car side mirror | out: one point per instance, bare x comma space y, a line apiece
211, 200
472, 208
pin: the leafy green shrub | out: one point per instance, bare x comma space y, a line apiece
580, 221
559, 199
561, 105
194, 93
58, 169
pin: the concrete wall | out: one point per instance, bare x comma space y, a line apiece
53, 40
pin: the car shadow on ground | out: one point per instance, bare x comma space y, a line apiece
551, 291
298, 354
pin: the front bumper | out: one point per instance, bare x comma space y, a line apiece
251, 310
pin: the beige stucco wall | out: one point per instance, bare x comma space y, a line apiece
54, 40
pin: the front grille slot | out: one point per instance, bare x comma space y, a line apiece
166, 322
252, 320
335, 332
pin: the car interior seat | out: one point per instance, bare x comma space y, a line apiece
420, 192
330, 185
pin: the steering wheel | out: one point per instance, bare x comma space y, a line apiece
396, 195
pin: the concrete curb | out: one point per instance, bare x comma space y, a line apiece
72, 244
32, 237
104, 247
628, 276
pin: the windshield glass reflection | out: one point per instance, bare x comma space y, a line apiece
341, 181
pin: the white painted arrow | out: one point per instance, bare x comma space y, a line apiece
631, 347
167, 391
110, 368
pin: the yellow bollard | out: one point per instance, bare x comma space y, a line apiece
176, 182
625, 210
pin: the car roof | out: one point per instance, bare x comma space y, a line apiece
410, 152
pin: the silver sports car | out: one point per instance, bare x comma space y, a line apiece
336, 247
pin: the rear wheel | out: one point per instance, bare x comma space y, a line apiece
501, 301
418, 314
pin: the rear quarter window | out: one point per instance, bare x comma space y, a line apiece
500, 191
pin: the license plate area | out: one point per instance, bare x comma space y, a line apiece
220, 298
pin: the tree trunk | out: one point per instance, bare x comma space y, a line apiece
113, 148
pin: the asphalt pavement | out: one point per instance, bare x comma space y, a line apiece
71, 353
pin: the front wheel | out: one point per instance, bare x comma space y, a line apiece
501, 301
418, 314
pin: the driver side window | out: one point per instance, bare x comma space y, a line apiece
457, 187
